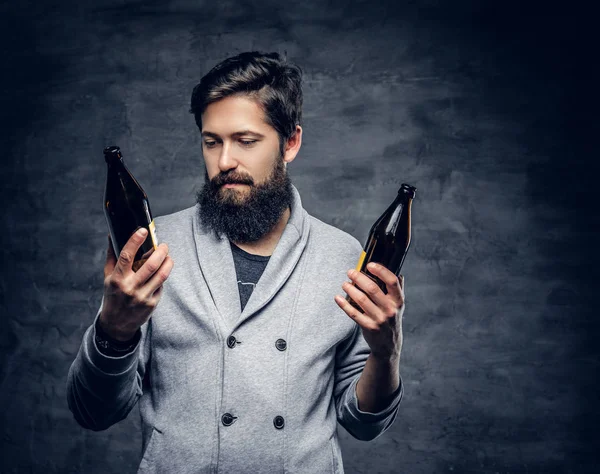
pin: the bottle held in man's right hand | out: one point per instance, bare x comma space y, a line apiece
389, 238
126, 207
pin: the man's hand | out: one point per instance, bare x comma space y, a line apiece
130, 297
381, 321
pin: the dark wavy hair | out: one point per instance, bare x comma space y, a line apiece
267, 78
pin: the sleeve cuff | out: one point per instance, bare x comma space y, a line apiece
105, 364
368, 417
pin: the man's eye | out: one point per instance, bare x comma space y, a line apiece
209, 144
247, 142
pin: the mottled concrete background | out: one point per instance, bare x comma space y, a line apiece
483, 106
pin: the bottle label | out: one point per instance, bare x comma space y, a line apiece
153, 234
361, 261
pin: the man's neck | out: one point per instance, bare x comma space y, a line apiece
267, 243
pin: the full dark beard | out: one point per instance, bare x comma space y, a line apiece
244, 216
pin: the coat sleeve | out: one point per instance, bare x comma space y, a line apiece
351, 357
102, 390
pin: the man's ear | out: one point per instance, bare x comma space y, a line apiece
292, 147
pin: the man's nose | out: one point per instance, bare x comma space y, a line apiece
226, 159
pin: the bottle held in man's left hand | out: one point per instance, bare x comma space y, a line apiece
389, 238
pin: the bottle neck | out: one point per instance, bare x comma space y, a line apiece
401, 197
115, 163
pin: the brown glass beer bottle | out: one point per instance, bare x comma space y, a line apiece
126, 208
389, 238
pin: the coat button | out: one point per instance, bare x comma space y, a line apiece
231, 341
228, 419
280, 344
279, 422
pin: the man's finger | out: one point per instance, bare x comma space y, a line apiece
392, 282
368, 285
128, 252
363, 300
361, 319
111, 259
152, 265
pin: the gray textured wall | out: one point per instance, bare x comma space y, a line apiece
482, 107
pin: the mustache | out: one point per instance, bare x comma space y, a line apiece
230, 178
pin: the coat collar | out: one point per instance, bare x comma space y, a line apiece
217, 267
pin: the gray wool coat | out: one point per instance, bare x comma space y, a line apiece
255, 405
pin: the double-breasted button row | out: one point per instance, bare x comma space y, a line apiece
228, 419
232, 341
280, 344
279, 422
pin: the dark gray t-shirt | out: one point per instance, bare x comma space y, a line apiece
248, 268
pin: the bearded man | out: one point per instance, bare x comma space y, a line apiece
232, 338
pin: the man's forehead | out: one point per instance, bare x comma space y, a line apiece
234, 116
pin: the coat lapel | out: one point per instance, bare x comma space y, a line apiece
283, 261
217, 267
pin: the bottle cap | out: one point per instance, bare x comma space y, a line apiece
112, 153
407, 189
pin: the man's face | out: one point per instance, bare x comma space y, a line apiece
247, 188
237, 143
